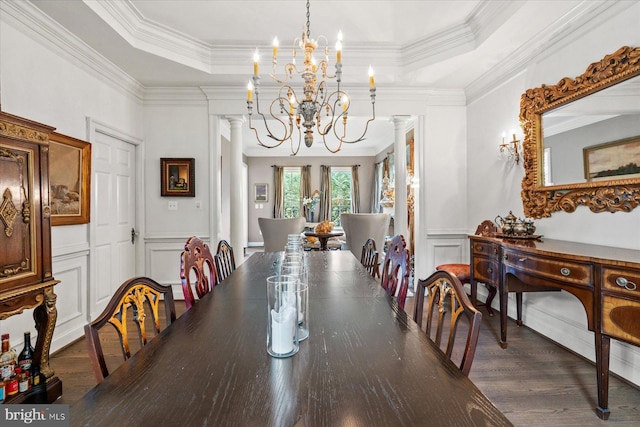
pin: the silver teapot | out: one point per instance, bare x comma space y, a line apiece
507, 224
511, 225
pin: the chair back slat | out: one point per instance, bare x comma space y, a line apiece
447, 299
395, 270
141, 296
197, 259
369, 258
224, 260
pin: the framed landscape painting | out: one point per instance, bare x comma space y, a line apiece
612, 160
261, 193
69, 180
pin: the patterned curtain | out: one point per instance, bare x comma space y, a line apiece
376, 188
325, 193
355, 190
278, 199
305, 186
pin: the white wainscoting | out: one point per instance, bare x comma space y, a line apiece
73, 273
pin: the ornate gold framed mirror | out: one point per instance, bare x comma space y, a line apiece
593, 114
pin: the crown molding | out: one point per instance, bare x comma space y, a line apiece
483, 21
584, 17
174, 96
30, 20
150, 36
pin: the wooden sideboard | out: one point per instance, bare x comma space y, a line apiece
26, 277
605, 279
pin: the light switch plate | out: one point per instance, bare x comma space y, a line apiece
173, 205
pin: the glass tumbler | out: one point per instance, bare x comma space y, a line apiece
296, 269
303, 308
282, 315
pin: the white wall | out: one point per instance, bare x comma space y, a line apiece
494, 186
41, 82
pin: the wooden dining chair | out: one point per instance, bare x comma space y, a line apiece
197, 259
446, 295
463, 271
396, 270
136, 302
369, 258
224, 260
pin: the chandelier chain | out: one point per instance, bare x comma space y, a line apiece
308, 21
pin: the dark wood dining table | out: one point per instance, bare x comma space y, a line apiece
365, 363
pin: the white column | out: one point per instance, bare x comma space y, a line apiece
215, 201
400, 222
237, 192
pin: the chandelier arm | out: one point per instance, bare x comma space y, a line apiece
327, 104
366, 127
332, 151
288, 73
255, 130
287, 134
294, 152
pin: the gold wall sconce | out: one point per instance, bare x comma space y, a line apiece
510, 150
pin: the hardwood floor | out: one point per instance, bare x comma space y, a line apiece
534, 382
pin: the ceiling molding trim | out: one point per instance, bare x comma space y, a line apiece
31, 21
174, 96
574, 123
584, 17
446, 97
152, 37
489, 15
444, 44
483, 21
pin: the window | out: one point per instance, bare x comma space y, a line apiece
340, 192
292, 201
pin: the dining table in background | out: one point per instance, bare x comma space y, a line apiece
365, 363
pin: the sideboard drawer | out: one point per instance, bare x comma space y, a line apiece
485, 249
485, 270
554, 269
620, 318
625, 281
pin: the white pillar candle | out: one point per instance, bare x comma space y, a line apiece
283, 329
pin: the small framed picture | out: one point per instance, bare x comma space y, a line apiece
261, 193
177, 177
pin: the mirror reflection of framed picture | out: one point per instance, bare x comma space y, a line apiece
177, 177
69, 179
612, 160
261, 193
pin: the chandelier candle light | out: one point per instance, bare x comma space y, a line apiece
290, 110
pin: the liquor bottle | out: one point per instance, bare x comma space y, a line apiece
25, 358
7, 359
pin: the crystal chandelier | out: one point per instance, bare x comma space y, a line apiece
316, 108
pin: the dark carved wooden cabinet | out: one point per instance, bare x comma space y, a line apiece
26, 279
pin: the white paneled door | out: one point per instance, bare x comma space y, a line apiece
113, 217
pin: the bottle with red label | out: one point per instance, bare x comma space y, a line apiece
7, 359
